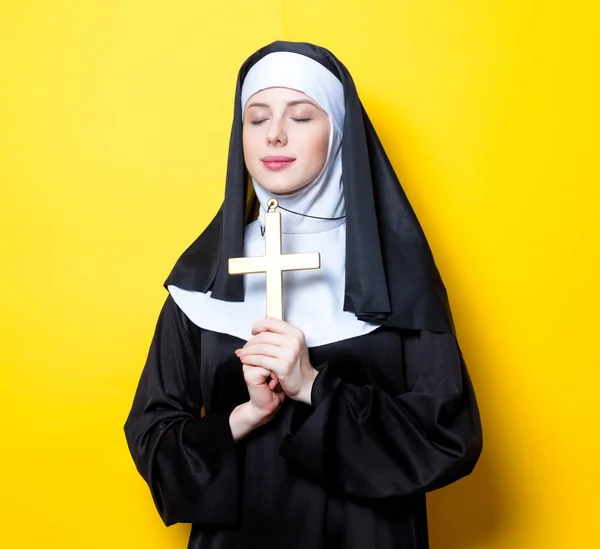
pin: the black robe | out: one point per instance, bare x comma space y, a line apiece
393, 415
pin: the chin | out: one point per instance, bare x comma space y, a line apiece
280, 187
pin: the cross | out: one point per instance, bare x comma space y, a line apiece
273, 263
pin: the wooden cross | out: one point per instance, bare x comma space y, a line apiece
273, 263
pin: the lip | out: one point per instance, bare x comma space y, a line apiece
276, 163
277, 159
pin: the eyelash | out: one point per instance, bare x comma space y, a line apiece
258, 122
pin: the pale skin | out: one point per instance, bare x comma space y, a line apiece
275, 360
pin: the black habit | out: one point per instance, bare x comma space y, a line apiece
393, 415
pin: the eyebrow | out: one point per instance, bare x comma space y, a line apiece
290, 104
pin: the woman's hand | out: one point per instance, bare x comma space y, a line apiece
280, 349
264, 400
263, 404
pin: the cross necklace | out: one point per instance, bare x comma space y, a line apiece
273, 263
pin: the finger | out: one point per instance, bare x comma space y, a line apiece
255, 370
268, 363
260, 349
273, 384
254, 374
271, 338
255, 378
274, 325
278, 342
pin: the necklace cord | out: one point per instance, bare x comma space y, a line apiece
262, 229
313, 216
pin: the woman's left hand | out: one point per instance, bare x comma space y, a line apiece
281, 348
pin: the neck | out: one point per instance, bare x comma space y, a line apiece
303, 204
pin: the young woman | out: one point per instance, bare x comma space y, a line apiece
327, 429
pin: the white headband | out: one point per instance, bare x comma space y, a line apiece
292, 70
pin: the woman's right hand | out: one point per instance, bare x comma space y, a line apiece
266, 397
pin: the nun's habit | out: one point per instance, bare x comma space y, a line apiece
393, 412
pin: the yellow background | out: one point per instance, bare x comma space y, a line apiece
114, 126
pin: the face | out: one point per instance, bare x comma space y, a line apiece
285, 137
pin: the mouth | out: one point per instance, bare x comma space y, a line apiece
276, 163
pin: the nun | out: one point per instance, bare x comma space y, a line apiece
326, 428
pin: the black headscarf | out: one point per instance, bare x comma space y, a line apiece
391, 276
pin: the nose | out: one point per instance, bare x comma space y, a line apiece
276, 134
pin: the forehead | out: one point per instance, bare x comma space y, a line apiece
276, 95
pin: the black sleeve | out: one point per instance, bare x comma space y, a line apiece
189, 462
362, 442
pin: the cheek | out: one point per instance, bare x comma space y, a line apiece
246, 141
249, 148
319, 147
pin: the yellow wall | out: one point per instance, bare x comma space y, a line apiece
114, 121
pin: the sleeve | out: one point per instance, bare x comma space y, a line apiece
362, 442
189, 462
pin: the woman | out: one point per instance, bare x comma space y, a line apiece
327, 429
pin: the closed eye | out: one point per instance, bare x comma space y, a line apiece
257, 122
302, 119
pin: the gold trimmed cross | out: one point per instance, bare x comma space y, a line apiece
273, 263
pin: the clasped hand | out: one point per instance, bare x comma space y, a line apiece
276, 363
